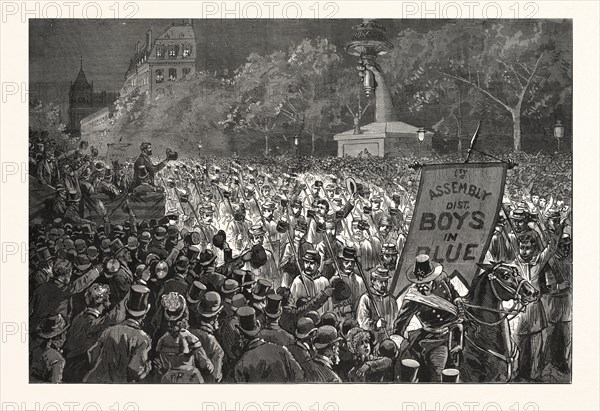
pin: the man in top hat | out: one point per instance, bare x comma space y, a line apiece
262, 361
320, 368
290, 262
87, 327
208, 310
144, 160
311, 283
272, 331
433, 300
380, 320
46, 361
121, 353
43, 271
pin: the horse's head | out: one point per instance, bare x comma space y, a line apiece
507, 284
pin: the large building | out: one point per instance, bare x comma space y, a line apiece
83, 101
169, 57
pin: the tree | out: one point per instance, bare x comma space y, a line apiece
522, 66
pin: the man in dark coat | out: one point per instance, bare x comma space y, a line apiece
272, 332
87, 327
144, 160
263, 361
54, 297
302, 348
121, 353
320, 368
208, 309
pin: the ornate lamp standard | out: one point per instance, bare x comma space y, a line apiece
559, 132
421, 138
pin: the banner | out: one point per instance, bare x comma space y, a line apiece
453, 220
116, 152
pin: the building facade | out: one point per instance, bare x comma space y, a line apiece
84, 102
169, 57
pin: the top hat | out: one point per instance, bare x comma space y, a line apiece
207, 257
115, 246
230, 287
192, 252
52, 326
382, 274
304, 328
424, 270
137, 304
273, 308
174, 305
389, 249
195, 292
326, 336
248, 324
43, 254
341, 290
243, 277
210, 305
261, 289
348, 253
257, 230
311, 256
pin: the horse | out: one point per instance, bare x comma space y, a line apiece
489, 352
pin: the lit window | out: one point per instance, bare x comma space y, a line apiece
160, 52
172, 74
159, 76
173, 51
187, 51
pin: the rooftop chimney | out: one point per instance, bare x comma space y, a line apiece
149, 40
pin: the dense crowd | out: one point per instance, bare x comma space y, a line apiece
271, 269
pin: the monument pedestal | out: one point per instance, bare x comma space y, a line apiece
393, 138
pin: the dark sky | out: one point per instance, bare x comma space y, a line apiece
106, 45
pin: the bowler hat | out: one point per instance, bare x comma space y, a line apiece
82, 262
304, 328
132, 243
52, 326
145, 237
182, 265
80, 245
248, 324
137, 304
315, 316
424, 270
273, 308
330, 318
210, 305
237, 301
326, 336
195, 292
174, 306
92, 253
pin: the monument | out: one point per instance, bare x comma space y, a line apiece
386, 135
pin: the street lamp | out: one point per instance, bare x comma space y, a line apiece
420, 137
559, 132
